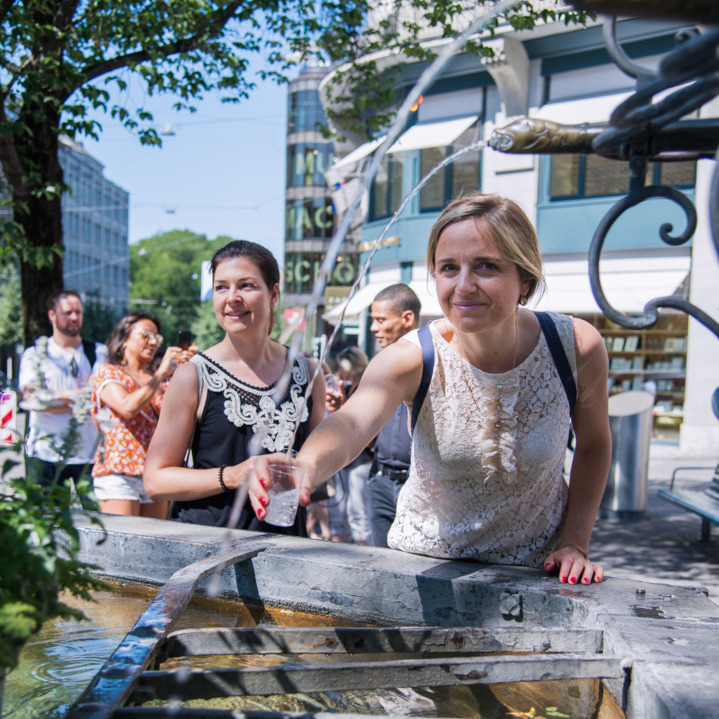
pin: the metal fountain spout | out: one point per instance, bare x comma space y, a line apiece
652, 124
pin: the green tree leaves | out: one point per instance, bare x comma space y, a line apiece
10, 312
37, 562
165, 277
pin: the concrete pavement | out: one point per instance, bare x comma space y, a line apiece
664, 544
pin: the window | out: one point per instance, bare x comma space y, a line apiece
432, 194
578, 176
451, 180
386, 192
307, 164
305, 111
310, 219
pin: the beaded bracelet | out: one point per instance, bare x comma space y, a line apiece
225, 488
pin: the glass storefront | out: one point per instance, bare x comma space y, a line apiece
309, 218
301, 270
307, 164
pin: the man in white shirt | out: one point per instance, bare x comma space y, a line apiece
65, 369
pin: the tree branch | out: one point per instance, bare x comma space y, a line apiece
17, 73
10, 160
64, 12
5, 6
212, 29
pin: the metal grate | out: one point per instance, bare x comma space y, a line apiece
357, 658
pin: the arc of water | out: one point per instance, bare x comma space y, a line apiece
473, 147
425, 80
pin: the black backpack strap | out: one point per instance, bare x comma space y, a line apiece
559, 356
425, 342
88, 347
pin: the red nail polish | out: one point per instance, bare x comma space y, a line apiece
263, 482
263, 500
573, 580
261, 512
562, 579
585, 581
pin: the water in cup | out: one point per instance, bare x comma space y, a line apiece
285, 480
282, 508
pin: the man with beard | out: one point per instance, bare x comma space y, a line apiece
395, 312
63, 369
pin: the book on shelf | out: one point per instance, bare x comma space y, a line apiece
677, 363
618, 344
674, 344
637, 362
631, 343
620, 363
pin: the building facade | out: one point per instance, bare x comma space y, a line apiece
95, 223
560, 74
310, 214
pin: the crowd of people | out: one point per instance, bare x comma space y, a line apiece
450, 442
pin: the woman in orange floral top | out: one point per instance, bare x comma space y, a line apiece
133, 394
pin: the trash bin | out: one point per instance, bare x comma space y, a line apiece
630, 422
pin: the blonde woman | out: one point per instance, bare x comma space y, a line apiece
485, 480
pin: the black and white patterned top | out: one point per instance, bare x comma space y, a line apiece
236, 414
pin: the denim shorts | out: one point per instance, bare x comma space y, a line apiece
120, 486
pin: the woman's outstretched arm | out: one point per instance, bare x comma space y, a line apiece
390, 378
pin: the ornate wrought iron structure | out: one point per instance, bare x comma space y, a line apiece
641, 131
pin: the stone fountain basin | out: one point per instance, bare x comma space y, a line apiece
669, 635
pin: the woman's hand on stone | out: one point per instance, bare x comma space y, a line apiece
573, 566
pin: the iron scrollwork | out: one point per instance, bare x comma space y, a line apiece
691, 69
640, 131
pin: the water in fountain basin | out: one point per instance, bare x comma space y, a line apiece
61, 659
64, 656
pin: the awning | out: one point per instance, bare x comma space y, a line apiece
589, 109
432, 134
428, 134
628, 283
364, 297
359, 153
357, 303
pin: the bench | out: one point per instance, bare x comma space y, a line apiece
704, 502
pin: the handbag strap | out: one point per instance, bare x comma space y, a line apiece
425, 342
559, 356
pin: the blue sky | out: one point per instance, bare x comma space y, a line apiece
222, 173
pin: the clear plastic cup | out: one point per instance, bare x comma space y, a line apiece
285, 481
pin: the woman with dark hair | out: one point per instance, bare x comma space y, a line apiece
133, 394
494, 388
230, 401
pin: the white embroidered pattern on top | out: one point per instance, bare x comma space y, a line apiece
487, 456
258, 409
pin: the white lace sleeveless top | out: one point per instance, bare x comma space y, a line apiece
486, 478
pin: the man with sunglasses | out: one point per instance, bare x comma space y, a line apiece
64, 369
